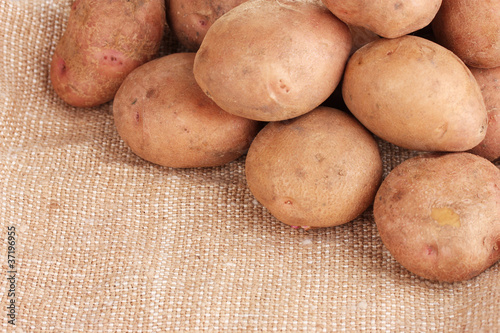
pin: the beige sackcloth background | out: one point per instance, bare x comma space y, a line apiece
106, 242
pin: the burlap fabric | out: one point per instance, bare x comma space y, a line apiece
106, 242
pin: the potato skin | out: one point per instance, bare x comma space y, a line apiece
255, 66
361, 36
165, 118
489, 82
471, 29
321, 169
439, 215
387, 18
415, 94
102, 43
190, 20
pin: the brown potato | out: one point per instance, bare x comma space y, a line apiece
387, 18
190, 20
489, 82
255, 66
321, 169
165, 118
102, 43
471, 29
439, 215
415, 94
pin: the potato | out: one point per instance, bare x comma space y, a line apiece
360, 37
415, 94
272, 60
165, 118
102, 43
320, 169
439, 215
190, 20
387, 18
471, 29
489, 82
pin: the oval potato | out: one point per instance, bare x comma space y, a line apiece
321, 169
439, 215
255, 66
102, 43
415, 94
164, 117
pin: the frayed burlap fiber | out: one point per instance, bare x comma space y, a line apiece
107, 242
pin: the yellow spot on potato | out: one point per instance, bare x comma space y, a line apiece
446, 216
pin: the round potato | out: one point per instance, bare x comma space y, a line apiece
255, 66
165, 118
439, 215
190, 20
471, 29
387, 18
103, 42
489, 82
321, 169
415, 94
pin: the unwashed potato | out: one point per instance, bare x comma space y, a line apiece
489, 82
190, 20
272, 60
471, 29
387, 18
439, 215
321, 169
165, 118
102, 43
415, 94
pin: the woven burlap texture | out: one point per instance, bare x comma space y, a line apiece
107, 242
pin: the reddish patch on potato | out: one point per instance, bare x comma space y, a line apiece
59, 65
75, 4
190, 20
103, 42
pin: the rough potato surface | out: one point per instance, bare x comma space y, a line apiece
439, 215
471, 29
318, 170
102, 43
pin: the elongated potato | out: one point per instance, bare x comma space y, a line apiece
103, 42
255, 66
415, 94
439, 215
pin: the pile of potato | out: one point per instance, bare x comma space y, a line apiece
422, 75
